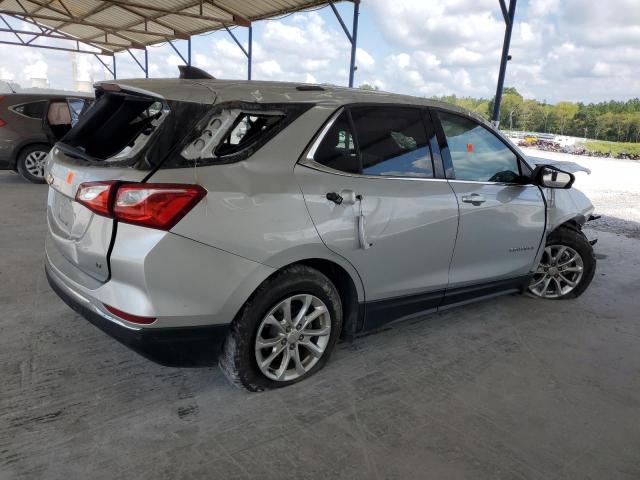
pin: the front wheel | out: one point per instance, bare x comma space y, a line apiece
566, 268
285, 332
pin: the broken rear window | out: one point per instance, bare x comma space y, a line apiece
116, 127
234, 131
247, 130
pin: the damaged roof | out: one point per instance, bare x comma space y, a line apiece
253, 91
116, 25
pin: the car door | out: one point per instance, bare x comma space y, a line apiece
502, 216
369, 184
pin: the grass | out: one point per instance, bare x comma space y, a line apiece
613, 148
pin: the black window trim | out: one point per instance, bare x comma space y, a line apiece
44, 114
306, 159
446, 154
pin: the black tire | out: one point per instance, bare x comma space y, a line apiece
22, 158
238, 361
574, 238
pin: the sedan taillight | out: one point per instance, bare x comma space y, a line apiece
153, 205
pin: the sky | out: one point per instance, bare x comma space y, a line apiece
575, 50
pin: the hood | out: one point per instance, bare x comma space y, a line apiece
571, 167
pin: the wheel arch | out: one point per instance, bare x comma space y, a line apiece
575, 223
23, 146
342, 275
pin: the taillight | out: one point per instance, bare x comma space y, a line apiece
96, 196
153, 205
129, 317
2, 123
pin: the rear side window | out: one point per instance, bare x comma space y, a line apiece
392, 142
337, 149
477, 154
31, 109
233, 131
246, 131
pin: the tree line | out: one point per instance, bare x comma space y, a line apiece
615, 121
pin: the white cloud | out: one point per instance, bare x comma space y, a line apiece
364, 60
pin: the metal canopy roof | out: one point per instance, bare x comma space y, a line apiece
116, 25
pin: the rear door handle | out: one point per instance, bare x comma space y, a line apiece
474, 198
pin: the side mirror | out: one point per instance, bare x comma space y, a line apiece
549, 176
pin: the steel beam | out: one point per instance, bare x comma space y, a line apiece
352, 35
187, 61
47, 47
248, 52
112, 69
509, 16
250, 55
145, 67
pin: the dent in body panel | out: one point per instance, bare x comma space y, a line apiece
564, 205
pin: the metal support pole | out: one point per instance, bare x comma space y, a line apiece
114, 67
354, 41
189, 51
250, 52
508, 19
146, 63
187, 61
351, 36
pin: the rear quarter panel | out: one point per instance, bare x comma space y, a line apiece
255, 208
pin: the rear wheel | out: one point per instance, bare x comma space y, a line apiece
566, 268
285, 332
31, 162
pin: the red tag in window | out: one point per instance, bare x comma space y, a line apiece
469, 147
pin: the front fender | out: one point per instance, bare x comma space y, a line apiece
566, 205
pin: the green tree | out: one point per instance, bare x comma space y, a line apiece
510, 110
565, 111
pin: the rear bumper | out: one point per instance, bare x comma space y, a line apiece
177, 347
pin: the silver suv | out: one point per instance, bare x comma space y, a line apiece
258, 222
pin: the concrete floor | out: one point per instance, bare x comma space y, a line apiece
509, 388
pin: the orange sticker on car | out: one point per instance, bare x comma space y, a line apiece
469, 147
70, 176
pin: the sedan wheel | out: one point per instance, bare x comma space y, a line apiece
292, 337
559, 272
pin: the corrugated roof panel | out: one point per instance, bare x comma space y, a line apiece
83, 31
120, 19
114, 17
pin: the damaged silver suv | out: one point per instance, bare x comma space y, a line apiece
257, 223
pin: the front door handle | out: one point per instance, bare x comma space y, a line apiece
475, 199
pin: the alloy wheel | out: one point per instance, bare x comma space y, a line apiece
292, 337
559, 272
35, 162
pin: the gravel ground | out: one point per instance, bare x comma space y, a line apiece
613, 187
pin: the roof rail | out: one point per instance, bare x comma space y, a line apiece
194, 73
